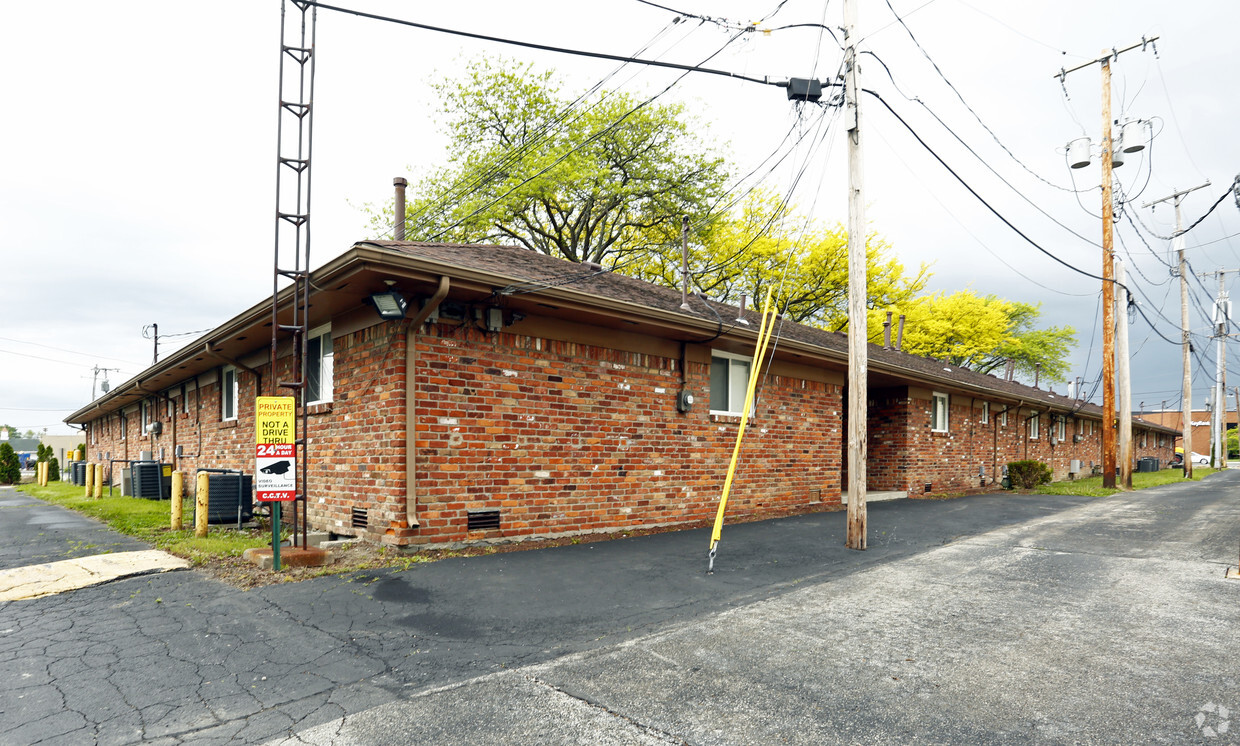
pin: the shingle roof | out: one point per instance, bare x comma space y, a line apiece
531, 272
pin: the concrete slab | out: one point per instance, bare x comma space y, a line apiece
50, 578
875, 497
289, 557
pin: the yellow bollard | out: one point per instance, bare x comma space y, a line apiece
90, 480
200, 506
178, 494
40, 470
98, 481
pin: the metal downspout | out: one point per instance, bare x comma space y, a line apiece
411, 401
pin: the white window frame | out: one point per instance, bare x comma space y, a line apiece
1003, 416
229, 392
985, 413
124, 425
1061, 428
940, 402
144, 415
735, 363
1035, 426
320, 364
1145, 438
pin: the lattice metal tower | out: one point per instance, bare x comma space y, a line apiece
291, 262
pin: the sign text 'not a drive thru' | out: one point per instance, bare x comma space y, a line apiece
275, 456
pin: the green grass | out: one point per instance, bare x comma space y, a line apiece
1092, 486
150, 521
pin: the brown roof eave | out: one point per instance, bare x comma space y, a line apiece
259, 313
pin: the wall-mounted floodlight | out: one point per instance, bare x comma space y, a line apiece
390, 305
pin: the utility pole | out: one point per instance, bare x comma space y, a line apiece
1186, 418
95, 378
1108, 290
1123, 378
1108, 270
154, 332
858, 393
1222, 312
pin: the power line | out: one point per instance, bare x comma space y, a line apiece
46, 359
506, 160
972, 235
71, 352
999, 215
979, 197
966, 103
542, 47
575, 148
984, 161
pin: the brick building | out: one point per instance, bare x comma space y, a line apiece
1202, 424
525, 396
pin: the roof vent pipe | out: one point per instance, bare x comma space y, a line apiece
900, 333
740, 317
684, 263
398, 231
1037, 373
887, 332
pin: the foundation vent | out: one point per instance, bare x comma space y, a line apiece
483, 520
361, 518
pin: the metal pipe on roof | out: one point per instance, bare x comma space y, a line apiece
398, 232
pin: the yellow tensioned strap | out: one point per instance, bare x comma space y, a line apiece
764, 335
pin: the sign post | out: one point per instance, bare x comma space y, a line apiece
275, 459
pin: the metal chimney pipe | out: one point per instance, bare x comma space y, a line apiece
684, 262
1037, 373
740, 317
398, 232
887, 332
900, 333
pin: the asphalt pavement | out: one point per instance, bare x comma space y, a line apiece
986, 619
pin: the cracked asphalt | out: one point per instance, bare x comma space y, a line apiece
987, 619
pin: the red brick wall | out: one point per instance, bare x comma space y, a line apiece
905, 454
567, 437
570, 437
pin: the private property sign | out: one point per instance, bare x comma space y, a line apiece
275, 455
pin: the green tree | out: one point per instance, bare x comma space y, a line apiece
600, 177
10, 466
981, 333
766, 245
53, 469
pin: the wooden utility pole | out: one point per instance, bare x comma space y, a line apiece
1123, 377
1186, 417
1108, 290
1108, 270
858, 394
1222, 308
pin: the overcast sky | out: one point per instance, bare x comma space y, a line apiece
137, 163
